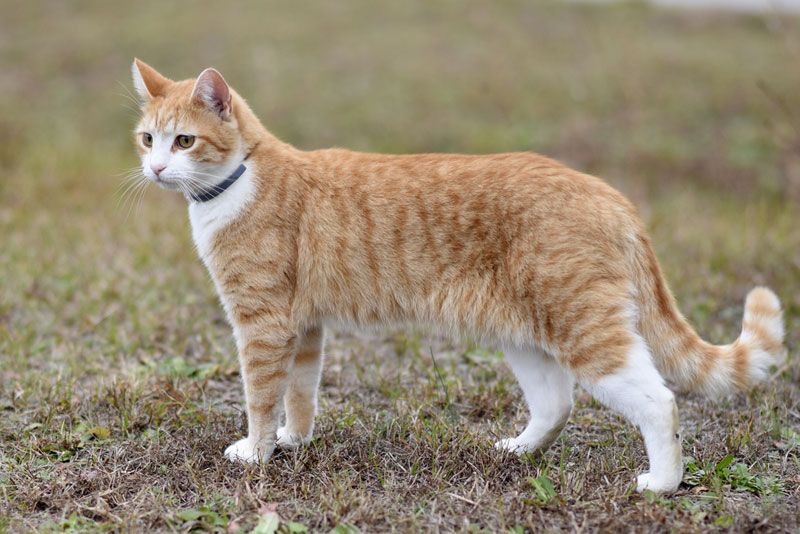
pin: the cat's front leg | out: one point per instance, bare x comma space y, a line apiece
300, 401
265, 356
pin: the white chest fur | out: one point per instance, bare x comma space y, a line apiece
208, 218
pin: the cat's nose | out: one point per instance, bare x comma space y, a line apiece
157, 168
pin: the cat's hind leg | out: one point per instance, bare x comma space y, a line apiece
548, 390
300, 400
633, 386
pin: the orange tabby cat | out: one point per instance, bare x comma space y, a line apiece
552, 265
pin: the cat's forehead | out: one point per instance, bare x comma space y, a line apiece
172, 111
167, 118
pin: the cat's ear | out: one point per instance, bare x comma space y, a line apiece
147, 81
213, 92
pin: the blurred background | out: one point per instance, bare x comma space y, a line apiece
624, 90
693, 113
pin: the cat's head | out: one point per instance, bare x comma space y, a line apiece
188, 137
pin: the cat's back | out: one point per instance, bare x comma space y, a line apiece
345, 164
514, 182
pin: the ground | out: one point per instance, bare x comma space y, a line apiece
119, 388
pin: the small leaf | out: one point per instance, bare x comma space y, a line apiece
268, 524
723, 464
724, 521
649, 496
542, 488
189, 515
99, 432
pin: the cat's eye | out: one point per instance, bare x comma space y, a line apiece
147, 140
184, 141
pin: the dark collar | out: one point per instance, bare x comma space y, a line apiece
215, 190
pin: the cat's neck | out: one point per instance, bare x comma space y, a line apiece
207, 218
255, 137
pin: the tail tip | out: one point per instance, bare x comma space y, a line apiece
762, 300
763, 322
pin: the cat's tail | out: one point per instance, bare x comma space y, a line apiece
691, 364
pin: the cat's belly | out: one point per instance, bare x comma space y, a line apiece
494, 323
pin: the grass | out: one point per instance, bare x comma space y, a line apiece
119, 388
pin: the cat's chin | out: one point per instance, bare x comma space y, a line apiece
166, 183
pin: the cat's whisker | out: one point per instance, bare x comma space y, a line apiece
130, 96
127, 174
142, 192
188, 180
199, 184
211, 187
186, 192
124, 184
135, 168
127, 180
128, 183
130, 186
201, 173
125, 201
137, 190
134, 110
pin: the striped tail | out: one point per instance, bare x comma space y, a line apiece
690, 364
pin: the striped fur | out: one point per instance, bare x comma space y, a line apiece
515, 249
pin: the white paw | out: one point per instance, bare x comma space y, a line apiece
290, 441
245, 451
513, 445
646, 481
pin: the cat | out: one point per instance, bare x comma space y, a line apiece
551, 265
